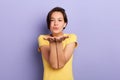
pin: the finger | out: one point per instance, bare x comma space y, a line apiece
66, 36
52, 39
45, 38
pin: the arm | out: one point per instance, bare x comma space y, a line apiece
64, 54
49, 52
55, 55
61, 56
53, 58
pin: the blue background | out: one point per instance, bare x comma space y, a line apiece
95, 22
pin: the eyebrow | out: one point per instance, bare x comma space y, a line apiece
54, 18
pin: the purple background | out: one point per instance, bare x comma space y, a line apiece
95, 22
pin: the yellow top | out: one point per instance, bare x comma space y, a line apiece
64, 73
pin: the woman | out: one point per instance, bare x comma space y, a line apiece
57, 47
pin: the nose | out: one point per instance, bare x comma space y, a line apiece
56, 23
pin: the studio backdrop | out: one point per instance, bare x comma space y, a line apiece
95, 22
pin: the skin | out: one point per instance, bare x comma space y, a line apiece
55, 55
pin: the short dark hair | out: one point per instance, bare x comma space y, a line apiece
58, 9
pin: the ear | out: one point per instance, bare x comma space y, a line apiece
64, 25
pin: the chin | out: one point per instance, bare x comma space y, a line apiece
55, 32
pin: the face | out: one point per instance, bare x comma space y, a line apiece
57, 23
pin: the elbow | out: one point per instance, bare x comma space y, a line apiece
61, 66
54, 66
62, 63
57, 66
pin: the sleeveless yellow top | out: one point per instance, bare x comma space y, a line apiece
64, 73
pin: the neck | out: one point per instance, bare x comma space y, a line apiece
57, 35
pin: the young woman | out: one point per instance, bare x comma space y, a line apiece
57, 47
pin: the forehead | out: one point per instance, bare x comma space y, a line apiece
56, 14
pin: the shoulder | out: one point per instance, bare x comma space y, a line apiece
72, 39
43, 36
42, 41
71, 35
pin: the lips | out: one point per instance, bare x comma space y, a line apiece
55, 28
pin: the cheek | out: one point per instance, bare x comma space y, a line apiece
50, 23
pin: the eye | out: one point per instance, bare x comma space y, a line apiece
52, 20
60, 20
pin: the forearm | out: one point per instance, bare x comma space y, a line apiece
56, 57
61, 55
53, 60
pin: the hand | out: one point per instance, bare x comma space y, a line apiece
50, 39
60, 39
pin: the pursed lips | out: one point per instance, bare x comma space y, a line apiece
55, 28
